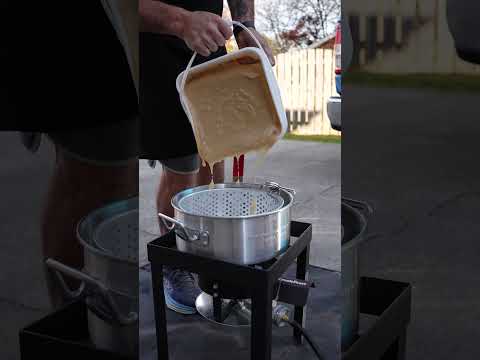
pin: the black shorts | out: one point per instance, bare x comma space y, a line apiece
107, 144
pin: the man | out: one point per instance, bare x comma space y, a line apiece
172, 30
72, 78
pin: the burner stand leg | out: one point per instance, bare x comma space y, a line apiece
402, 345
302, 274
160, 315
396, 351
261, 326
217, 308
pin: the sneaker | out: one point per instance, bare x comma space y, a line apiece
181, 291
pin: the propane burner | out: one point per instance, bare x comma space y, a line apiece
221, 289
229, 312
220, 299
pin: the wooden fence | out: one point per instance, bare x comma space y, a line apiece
306, 79
407, 36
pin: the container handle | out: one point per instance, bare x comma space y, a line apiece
96, 287
194, 236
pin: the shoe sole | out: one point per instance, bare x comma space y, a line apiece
177, 307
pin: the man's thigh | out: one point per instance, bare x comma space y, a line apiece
183, 165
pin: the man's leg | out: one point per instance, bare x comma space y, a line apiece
170, 184
172, 181
76, 188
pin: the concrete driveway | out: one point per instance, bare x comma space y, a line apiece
312, 168
418, 165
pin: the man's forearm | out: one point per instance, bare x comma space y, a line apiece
160, 18
242, 10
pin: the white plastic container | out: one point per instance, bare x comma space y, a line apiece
252, 52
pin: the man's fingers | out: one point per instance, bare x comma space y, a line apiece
200, 48
210, 43
225, 30
272, 60
267, 50
270, 56
217, 36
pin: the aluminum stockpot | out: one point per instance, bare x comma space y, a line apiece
109, 278
244, 240
354, 227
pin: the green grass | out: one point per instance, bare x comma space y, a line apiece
318, 138
439, 82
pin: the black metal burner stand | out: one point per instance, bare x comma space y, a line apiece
258, 283
63, 334
385, 339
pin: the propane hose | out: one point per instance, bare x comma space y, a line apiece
305, 334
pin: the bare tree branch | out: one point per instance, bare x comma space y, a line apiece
299, 23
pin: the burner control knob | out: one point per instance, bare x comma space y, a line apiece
280, 312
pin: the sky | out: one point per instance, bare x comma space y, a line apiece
258, 5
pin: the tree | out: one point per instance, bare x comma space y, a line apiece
298, 23
231, 45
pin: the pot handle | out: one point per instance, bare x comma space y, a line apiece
95, 286
273, 186
166, 220
367, 210
363, 206
195, 236
361, 240
60, 269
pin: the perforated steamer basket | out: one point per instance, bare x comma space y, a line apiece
117, 234
230, 202
235, 222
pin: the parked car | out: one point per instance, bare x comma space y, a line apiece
462, 17
334, 104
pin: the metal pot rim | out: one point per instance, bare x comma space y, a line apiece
286, 195
354, 241
117, 206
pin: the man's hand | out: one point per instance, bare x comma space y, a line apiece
204, 32
244, 40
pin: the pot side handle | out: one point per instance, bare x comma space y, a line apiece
363, 206
60, 270
97, 287
194, 236
273, 186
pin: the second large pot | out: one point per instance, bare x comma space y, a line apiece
109, 278
227, 228
354, 227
